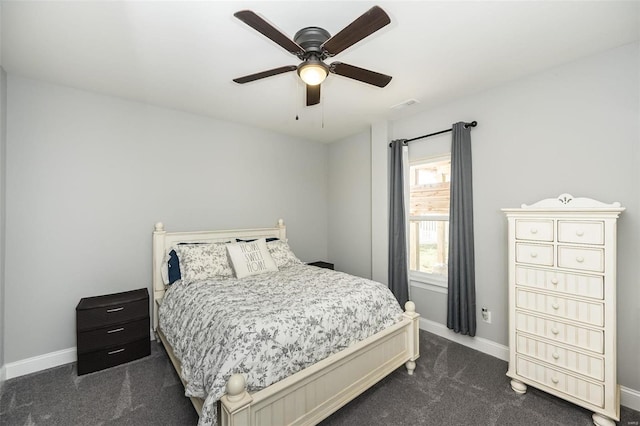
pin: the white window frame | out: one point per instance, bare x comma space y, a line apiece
434, 282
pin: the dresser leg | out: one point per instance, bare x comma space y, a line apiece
518, 387
600, 420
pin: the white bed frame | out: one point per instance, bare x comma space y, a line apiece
314, 393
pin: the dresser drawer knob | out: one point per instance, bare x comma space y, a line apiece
579, 233
554, 281
555, 306
579, 259
534, 254
117, 351
555, 355
115, 310
555, 380
534, 231
115, 330
555, 330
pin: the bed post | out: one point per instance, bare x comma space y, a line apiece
282, 228
236, 403
414, 338
156, 275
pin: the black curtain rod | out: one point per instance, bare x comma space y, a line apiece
466, 125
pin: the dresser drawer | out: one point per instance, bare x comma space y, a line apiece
585, 259
591, 313
101, 311
584, 232
115, 355
535, 254
587, 365
573, 284
592, 393
536, 230
113, 335
580, 337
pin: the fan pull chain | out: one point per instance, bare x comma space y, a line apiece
296, 99
322, 106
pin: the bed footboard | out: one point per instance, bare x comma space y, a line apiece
313, 394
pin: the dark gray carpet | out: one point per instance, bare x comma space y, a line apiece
452, 385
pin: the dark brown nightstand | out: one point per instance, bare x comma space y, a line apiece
112, 329
320, 264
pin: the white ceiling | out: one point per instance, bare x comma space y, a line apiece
184, 54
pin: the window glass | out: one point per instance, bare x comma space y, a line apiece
429, 182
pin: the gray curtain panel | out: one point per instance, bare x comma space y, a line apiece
461, 309
398, 274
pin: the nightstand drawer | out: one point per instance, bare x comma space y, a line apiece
115, 355
101, 311
114, 335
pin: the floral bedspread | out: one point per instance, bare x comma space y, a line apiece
268, 326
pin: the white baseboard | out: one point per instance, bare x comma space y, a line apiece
40, 362
628, 397
478, 343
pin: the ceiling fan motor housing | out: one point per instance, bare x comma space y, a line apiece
311, 40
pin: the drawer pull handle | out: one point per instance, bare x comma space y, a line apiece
534, 231
555, 330
115, 330
580, 233
117, 351
555, 355
554, 281
534, 254
555, 381
579, 259
115, 310
555, 306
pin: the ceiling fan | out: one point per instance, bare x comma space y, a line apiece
312, 45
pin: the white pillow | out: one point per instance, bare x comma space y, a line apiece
164, 269
202, 261
282, 254
251, 258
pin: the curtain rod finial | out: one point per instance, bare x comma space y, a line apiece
472, 124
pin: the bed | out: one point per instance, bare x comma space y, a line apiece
306, 396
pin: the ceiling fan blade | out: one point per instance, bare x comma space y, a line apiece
360, 74
269, 31
264, 74
367, 24
313, 94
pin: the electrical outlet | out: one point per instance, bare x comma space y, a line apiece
486, 315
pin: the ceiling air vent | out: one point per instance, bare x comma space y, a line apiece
407, 103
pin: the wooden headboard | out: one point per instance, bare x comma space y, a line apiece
164, 241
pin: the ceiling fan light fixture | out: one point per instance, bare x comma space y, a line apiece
313, 72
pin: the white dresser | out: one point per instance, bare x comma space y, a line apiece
562, 302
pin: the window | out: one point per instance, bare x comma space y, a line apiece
429, 182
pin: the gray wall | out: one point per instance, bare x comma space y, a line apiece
3, 149
89, 175
350, 205
574, 129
